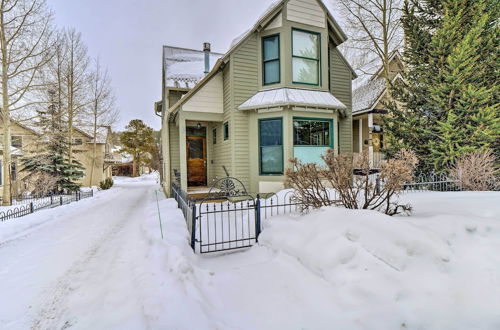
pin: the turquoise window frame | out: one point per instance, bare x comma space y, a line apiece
277, 35
308, 58
330, 131
282, 148
226, 131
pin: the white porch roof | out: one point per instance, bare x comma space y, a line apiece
292, 96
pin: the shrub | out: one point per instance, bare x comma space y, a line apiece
349, 175
476, 171
40, 183
106, 184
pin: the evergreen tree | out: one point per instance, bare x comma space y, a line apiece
52, 159
447, 103
138, 140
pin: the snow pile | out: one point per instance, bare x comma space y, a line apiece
331, 237
175, 282
435, 270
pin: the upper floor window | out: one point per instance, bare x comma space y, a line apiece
306, 56
271, 59
16, 141
77, 141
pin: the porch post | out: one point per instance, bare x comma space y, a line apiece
165, 150
360, 141
182, 152
370, 138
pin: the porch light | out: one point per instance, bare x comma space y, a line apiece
198, 126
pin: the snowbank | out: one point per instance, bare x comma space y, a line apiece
437, 269
176, 282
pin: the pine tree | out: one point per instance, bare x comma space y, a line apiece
138, 140
448, 103
52, 159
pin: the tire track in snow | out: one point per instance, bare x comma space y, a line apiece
54, 312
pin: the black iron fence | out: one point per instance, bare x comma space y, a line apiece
31, 204
229, 219
224, 222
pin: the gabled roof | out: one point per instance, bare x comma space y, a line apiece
185, 67
292, 97
102, 133
368, 89
265, 18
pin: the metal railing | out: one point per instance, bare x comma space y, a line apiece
188, 208
223, 222
30, 205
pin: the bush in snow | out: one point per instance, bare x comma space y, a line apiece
476, 171
106, 184
40, 183
359, 191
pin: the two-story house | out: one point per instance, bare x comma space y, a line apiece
282, 91
27, 140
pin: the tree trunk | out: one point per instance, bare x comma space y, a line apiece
94, 149
6, 159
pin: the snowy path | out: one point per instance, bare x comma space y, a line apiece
102, 264
76, 268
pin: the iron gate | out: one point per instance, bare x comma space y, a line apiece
229, 224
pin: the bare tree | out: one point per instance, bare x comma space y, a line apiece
76, 80
102, 111
25, 48
374, 28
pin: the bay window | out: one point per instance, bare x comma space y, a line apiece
271, 146
312, 138
306, 57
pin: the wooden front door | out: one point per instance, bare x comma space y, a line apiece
196, 160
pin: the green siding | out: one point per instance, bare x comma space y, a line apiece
174, 149
341, 88
245, 83
222, 149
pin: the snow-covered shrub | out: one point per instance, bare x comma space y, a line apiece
349, 175
106, 184
476, 171
40, 183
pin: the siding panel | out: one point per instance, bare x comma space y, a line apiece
306, 12
341, 88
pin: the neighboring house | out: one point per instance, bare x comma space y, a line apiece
125, 164
283, 90
368, 97
26, 140
83, 145
23, 143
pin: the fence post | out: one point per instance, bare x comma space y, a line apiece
60, 200
257, 218
32, 209
193, 226
377, 185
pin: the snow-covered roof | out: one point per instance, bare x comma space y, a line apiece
185, 67
365, 95
370, 85
292, 96
102, 133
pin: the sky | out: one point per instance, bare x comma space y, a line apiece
127, 36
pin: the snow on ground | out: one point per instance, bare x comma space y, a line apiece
102, 264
